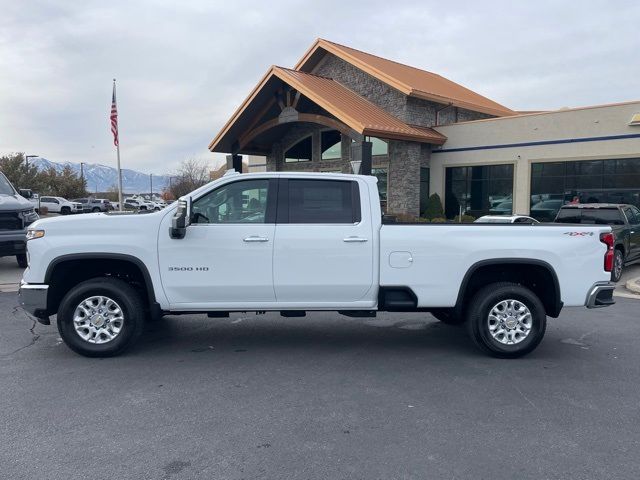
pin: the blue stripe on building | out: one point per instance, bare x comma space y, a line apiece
543, 142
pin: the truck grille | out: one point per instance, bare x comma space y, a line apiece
10, 221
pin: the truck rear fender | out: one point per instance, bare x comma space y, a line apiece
537, 275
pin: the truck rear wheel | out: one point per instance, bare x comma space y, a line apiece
506, 320
101, 317
618, 265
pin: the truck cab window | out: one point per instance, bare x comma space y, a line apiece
5, 186
238, 202
323, 201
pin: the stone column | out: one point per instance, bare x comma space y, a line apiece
316, 146
275, 159
345, 153
403, 190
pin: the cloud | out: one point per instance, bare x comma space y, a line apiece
183, 67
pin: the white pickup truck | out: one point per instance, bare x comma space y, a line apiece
298, 242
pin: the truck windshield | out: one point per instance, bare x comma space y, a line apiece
5, 186
590, 216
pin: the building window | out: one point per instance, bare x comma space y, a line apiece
331, 145
300, 152
381, 175
424, 188
591, 181
479, 190
378, 147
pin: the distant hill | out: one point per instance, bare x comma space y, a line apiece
102, 178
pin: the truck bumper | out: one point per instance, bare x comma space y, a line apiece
33, 299
600, 295
13, 243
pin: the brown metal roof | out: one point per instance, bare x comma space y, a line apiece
409, 80
354, 110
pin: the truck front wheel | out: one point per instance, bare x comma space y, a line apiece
506, 320
101, 317
21, 258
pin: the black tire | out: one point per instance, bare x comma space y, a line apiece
124, 295
618, 265
447, 315
95, 209
478, 324
22, 260
65, 211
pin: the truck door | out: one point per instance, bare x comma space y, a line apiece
225, 257
323, 251
633, 215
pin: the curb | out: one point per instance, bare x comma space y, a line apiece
633, 285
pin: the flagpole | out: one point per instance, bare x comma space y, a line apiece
118, 154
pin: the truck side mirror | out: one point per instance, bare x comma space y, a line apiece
25, 193
181, 219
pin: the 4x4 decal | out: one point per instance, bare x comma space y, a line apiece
579, 234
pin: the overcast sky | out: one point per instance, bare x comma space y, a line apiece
184, 66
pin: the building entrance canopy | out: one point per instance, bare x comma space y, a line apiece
286, 96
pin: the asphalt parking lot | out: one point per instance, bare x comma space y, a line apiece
400, 396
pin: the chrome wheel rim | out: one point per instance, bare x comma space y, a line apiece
98, 319
617, 267
509, 322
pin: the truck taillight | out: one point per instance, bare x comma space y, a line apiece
609, 240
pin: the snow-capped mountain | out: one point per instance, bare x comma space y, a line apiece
102, 178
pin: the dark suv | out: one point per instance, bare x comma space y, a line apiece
625, 223
16, 214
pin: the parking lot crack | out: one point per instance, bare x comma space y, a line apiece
19, 314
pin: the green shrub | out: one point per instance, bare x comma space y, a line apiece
465, 219
433, 208
439, 220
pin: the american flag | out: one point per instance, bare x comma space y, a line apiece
114, 116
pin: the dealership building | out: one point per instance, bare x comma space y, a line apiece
343, 110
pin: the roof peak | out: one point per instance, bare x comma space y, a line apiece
380, 57
409, 80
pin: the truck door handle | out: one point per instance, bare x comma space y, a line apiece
354, 240
255, 238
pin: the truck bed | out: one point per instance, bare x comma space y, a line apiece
431, 259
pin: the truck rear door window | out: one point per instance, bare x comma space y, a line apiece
602, 216
323, 201
590, 216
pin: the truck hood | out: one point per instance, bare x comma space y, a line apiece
99, 222
11, 203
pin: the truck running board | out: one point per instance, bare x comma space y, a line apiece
358, 313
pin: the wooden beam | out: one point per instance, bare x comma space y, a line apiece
296, 99
302, 117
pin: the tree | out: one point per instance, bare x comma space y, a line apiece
19, 174
192, 173
65, 183
433, 209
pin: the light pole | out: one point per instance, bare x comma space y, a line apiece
151, 186
82, 171
26, 161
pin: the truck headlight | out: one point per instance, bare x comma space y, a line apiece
32, 234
